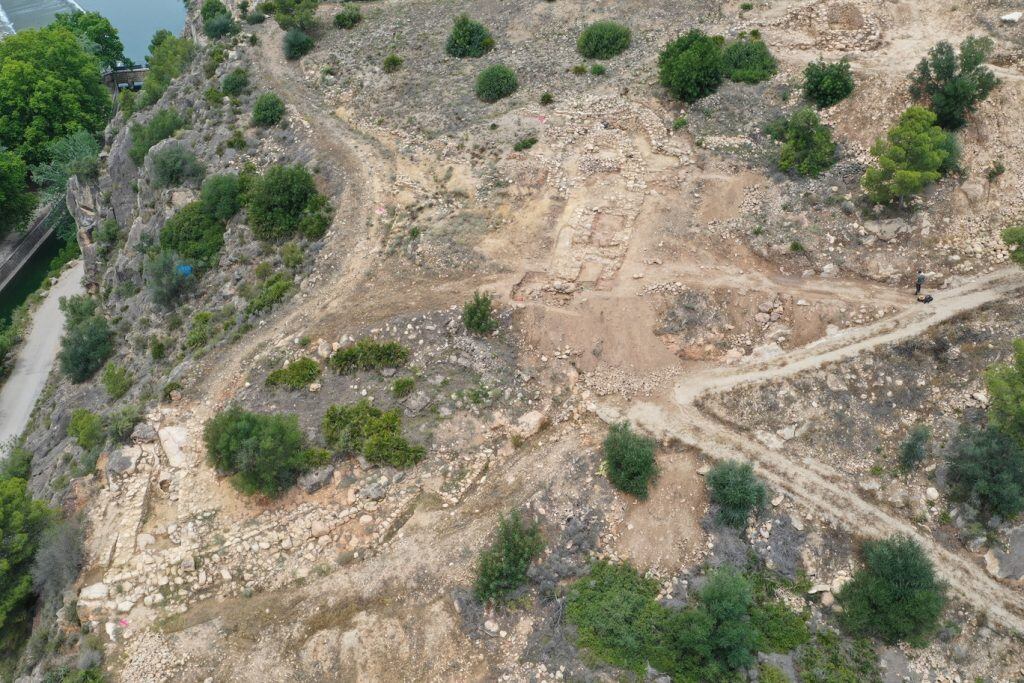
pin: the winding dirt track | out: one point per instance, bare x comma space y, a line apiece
817, 486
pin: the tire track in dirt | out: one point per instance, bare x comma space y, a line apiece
815, 485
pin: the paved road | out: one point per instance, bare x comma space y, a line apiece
35, 358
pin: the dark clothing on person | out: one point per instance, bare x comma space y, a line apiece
919, 282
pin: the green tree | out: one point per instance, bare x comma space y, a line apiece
603, 40
807, 147
477, 315
690, 67
22, 522
826, 83
986, 470
49, 87
954, 85
285, 202
728, 597
17, 201
911, 156
502, 567
217, 21
496, 82
168, 57
468, 38
1005, 382
194, 234
86, 345
629, 459
100, 36
896, 596
77, 154
736, 491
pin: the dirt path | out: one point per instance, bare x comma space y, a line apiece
815, 485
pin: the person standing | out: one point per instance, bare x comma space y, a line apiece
919, 282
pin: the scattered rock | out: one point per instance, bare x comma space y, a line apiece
314, 480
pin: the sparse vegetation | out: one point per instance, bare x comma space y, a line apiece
167, 278
402, 387
826, 83
603, 40
546, 99
392, 63
496, 82
117, 380
690, 67
915, 448
174, 165
629, 459
952, 84
376, 434
369, 354
502, 566
468, 38
298, 374
271, 291
736, 491
163, 125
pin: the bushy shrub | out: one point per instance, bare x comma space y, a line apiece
546, 99
168, 57
915, 448
598, 70
1005, 383
200, 332
831, 659
913, 155
175, 165
297, 43
477, 316
271, 291
348, 17
953, 86
392, 63
86, 345
235, 83
603, 40
194, 234
748, 60
221, 196
72, 155
167, 281
121, 423
220, 26
265, 453
163, 125
369, 354
502, 566
117, 380
728, 598
255, 17
778, 628
294, 13
826, 83
690, 67
57, 562
402, 387
807, 146
285, 202
22, 522
629, 459
86, 428
496, 82
736, 491
268, 110
468, 38
986, 470
377, 435
298, 374
896, 596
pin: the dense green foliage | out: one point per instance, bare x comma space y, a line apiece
217, 21
87, 341
300, 14
175, 165
603, 40
986, 470
166, 282
97, 34
826, 83
49, 87
915, 448
268, 110
736, 491
163, 125
298, 374
86, 428
403, 386
748, 60
117, 380
221, 196
690, 67
17, 200
807, 146
629, 459
619, 621
348, 17
22, 521
827, 659
954, 85
265, 453
168, 57
896, 596
195, 234
285, 202
235, 83
496, 82
1005, 383
468, 38
369, 354
913, 154
376, 434
501, 568
297, 43
477, 315
77, 154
